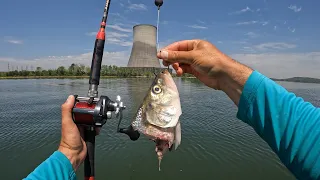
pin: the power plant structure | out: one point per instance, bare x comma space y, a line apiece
143, 57
144, 48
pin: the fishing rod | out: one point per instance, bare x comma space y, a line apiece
92, 112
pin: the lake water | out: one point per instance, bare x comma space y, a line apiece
215, 145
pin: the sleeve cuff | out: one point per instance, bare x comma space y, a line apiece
59, 156
248, 95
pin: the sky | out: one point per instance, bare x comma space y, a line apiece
279, 38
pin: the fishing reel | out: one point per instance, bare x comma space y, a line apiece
94, 112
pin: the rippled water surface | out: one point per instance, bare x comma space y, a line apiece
215, 145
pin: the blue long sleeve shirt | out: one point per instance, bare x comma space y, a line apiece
56, 167
287, 123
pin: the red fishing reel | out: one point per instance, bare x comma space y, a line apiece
94, 112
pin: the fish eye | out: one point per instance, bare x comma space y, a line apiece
156, 89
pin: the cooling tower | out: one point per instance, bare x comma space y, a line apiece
144, 48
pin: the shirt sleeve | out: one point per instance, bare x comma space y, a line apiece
286, 122
57, 166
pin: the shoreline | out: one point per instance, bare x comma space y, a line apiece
76, 77
121, 77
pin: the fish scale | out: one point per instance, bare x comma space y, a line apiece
150, 130
158, 115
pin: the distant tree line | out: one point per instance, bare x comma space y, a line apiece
82, 70
300, 79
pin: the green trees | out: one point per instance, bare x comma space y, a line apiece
82, 70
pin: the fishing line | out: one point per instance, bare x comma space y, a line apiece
158, 28
158, 21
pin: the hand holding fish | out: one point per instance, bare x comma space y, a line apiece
208, 64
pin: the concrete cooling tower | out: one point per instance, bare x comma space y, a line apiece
144, 48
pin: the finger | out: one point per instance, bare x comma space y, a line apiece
180, 68
175, 66
81, 130
179, 71
66, 111
186, 68
185, 45
185, 57
168, 64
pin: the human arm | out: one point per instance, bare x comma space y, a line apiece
63, 163
57, 166
289, 125
286, 122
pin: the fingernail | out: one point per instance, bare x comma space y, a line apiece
164, 54
69, 98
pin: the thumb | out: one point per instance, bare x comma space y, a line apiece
185, 57
66, 109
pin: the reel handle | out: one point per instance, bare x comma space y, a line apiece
133, 135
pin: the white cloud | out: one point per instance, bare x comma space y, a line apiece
274, 46
242, 11
115, 38
239, 42
197, 26
119, 35
119, 28
247, 23
263, 23
199, 21
292, 29
252, 34
119, 58
283, 65
248, 49
139, 7
118, 41
295, 8
15, 41
12, 40
117, 15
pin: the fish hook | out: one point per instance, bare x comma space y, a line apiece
154, 71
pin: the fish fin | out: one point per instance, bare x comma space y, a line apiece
159, 164
170, 148
177, 139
